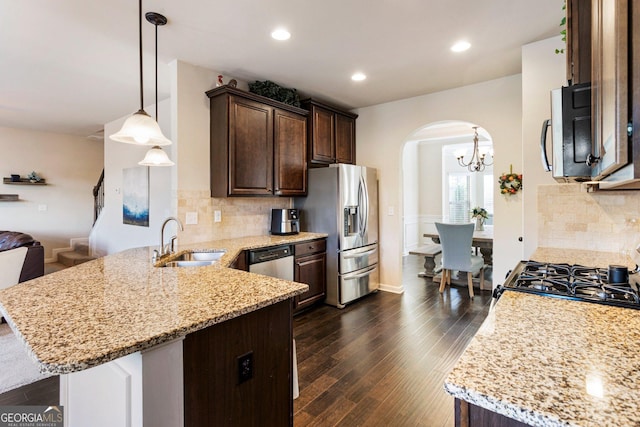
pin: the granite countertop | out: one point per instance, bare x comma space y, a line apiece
554, 362
119, 304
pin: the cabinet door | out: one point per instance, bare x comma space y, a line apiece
250, 148
290, 154
322, 138
578, 49
311, 270
609, 92
345, 139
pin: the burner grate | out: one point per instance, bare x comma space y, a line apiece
572, 281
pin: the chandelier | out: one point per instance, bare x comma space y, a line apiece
477, 162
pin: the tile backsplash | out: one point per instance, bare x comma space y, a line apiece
241, 216
569, 217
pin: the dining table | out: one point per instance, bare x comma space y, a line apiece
482, 242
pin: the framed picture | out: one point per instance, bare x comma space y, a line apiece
135, 196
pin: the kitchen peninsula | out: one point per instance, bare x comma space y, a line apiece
118, 326
544, 361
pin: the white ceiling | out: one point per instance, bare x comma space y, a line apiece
71, 65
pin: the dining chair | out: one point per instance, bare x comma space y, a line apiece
455, 240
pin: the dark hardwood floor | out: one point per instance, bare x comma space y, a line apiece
43, 392
382, 361
379, 362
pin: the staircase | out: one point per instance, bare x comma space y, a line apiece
77, 255
79, 251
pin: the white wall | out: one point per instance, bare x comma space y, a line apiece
430, 154
542, 70
110, 234
71, 166
190, 113
411, 185
383, 129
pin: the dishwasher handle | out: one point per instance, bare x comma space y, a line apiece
269, 254
267, 257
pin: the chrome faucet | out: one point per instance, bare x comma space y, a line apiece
169, 248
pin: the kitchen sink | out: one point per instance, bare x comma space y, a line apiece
195, 258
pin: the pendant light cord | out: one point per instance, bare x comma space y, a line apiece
140, 49
156, 25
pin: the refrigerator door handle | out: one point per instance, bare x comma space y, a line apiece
359, 275
363, 201
361, 254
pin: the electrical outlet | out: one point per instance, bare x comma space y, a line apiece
191, 218
245, 367
217, 216
391, 210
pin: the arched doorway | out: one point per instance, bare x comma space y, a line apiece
435, 186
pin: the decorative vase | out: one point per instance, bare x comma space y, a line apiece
479, 223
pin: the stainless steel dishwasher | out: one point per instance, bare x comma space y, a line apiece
274, 261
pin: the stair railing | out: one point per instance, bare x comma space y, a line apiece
98, 197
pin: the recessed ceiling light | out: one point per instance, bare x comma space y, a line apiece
460, 46
358, 77
281, 34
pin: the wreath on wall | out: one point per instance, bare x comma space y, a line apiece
510, 183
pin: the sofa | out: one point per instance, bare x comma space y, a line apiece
16, 248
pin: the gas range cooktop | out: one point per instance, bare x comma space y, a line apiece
574, 282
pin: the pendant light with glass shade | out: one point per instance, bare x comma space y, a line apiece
156, 156
140, 128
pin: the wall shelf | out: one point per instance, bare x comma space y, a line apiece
23, 181
9, 198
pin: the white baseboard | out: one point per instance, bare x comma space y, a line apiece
391, 288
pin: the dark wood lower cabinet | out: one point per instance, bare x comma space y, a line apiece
214, 395
312, 271
241, 262
310, 268
468, 415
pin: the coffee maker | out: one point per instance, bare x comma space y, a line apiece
285, 221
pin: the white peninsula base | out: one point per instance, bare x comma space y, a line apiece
143, 389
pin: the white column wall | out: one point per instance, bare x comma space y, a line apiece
110, 235
542, 70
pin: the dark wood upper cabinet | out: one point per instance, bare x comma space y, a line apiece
322, 130
258, 145
332, 134
290, 159
578, 50
610, 85
250, 147
345, 139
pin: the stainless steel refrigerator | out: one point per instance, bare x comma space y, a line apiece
342, 201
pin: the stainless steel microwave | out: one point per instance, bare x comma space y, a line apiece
571, 149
